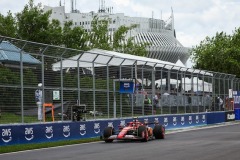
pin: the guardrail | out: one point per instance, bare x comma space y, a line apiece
56, 131
94, 77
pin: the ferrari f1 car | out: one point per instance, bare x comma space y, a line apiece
134, 130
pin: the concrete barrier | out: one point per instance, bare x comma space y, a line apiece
49, 132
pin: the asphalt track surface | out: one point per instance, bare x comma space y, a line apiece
218, 143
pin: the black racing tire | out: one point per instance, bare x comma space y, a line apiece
107, 132
141, 130
159, 132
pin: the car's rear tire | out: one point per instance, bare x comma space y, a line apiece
107, 132
142, 132
159, 132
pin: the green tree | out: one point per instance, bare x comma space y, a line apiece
99, 37
29, 77
127, 45
33, 23
136, 49
121, 40
220, 53
54, 33
74, 37
8, 25
8, 77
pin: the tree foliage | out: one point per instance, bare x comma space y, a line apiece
75, 37
99, 37
33, 24
127, 45
120, 40
220, 53
8, 25
119, 37
54, 33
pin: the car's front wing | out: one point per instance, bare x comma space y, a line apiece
126, 137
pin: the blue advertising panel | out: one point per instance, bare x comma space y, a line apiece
49, 132
215, 117
126, 87
229, 116
236, 96
237, 113
180, 121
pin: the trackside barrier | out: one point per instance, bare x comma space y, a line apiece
237, 114
229, 116
56, 131
215, 117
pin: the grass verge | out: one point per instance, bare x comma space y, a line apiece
23, 147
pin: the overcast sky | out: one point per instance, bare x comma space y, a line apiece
194, 19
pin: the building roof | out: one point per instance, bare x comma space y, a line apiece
179, 63
10, 53
100, 58
103, 58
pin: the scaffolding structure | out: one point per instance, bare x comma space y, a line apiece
92, 79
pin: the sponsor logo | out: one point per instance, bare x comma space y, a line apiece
190, 119
83, 129
29, 133
174, 121
6, 135
156, 120
182, 120
122, 123
110, 124
49, 132
197, 119
203, 118
231, 116
126, 85
66, 131
96, 128
145, 120
165, 121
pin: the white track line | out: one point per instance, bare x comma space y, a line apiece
202, 127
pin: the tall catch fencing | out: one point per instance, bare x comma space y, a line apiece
91, 81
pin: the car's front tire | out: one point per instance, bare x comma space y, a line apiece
107, 132
142, 132
159, 132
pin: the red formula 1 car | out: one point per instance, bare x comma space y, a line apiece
134, 130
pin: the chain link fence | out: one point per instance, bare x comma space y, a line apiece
89, 82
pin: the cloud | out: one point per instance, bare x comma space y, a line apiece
221, 16
122, 2
194, 20
7, 5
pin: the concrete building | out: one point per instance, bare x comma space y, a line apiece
159, 33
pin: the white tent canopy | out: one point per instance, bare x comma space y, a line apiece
102, 58
99, 57
197, 84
